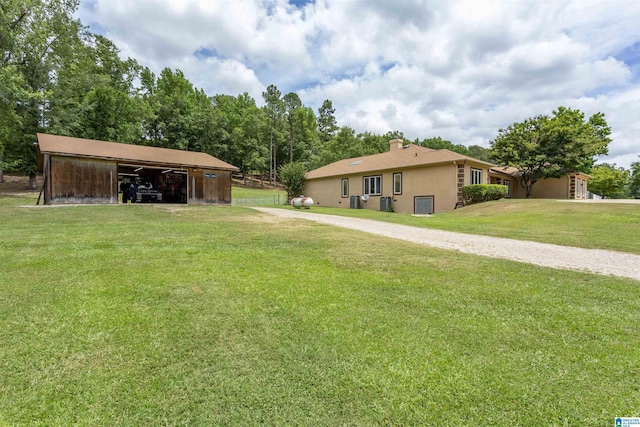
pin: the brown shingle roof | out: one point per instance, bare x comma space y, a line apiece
509, 170
78, 147
408, 156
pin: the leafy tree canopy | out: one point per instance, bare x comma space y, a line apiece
607, 180
548, 146
292, 176
57, 77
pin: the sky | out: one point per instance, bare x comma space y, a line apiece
460, 69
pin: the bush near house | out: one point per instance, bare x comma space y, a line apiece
477, 193
293, 178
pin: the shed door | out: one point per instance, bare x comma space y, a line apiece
423, 205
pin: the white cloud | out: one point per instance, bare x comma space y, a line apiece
460, 70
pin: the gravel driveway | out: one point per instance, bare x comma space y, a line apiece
586, 260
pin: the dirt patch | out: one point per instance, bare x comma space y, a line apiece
18, 184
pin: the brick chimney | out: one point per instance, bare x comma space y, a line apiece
395, 144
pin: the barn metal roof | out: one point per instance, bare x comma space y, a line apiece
90, 148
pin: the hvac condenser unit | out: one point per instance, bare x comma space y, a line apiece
385, 204
354, 202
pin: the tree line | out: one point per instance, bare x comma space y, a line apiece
58, 77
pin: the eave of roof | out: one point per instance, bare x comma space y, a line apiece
410, 156
507, 170
89, 148
515, 172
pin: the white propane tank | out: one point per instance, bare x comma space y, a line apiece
302, 202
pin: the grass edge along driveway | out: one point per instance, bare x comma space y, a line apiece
595, 261
613, 227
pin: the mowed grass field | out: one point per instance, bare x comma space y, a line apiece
167, 315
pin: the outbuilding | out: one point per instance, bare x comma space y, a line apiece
89, 171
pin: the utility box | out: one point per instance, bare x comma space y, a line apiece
354, 202
386, 204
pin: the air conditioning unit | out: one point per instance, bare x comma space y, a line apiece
385, 204
354, 202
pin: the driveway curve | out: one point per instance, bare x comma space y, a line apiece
595, 261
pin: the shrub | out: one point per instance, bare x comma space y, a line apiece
496, 192
293, 179
483, 192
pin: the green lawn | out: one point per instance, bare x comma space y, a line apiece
247, 192
143, 315
587, 225
243, 196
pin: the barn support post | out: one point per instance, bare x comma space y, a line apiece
47, 179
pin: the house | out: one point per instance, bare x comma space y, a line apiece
571, 185
89, 171
407, 178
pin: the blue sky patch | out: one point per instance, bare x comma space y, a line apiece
300, 3
204, 53
630, 55
386, 66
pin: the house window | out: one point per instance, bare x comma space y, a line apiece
345, 187
397, 183
373, 185
476, 176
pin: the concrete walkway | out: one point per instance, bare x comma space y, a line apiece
595, 261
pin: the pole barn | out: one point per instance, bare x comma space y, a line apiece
88, 171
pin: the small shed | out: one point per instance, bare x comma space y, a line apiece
88, 171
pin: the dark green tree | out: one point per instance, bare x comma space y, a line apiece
94, 95
480, 153
327, 125
438, 143
293, 178
241, 132
34, 36
634, 180
292, 104
548, 146
275, 109
176, 108
343, 146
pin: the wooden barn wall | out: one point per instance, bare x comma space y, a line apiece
224, 187
211, 186
76, 180
196, 191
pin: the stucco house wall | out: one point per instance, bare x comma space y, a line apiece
572, 185
551, 188
437, 174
